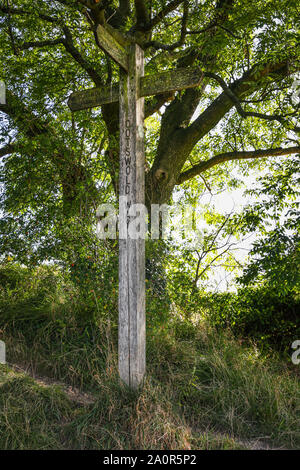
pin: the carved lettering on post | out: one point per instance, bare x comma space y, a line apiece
132, 252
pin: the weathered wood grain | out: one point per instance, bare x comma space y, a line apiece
171, 80
131, 251
93, 97
110, 45
2, 352
150, 85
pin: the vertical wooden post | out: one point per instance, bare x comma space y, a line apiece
132, 361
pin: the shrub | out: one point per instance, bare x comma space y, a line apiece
263, 314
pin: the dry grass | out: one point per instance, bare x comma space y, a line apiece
203, 390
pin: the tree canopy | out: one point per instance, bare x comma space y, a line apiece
59, 164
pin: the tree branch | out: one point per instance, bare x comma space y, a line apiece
124, 8
47, 42
241, 88
21, 12
180, 42
142, 13
163, 13
229, 156
67, 41
212, 25
238, 105
69, 45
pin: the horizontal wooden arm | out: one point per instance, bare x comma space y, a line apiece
149, 85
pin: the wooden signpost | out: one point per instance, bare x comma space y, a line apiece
130, 92
172, 80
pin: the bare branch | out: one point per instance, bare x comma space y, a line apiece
33, 44
69, 45
243, 87
212, 25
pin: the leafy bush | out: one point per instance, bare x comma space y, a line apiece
11, 275
157, 295
264, 314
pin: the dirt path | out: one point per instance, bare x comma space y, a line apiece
73, 393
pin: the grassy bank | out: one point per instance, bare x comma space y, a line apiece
204, 389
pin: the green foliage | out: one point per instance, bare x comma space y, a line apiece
31, 416
238, 388
62, 318
62, 164
157, 296
11, 275
267, 307
56, 315
26, 294
275, 255
266, 315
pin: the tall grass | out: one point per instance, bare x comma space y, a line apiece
31, 417
204, 389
